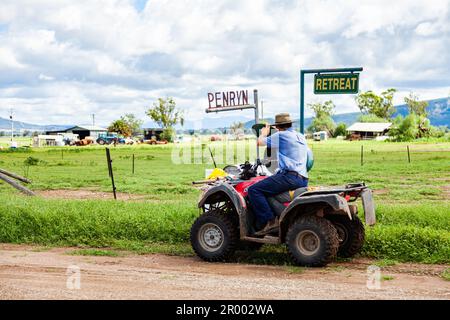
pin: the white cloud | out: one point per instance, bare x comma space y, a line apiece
66, 59
8, 60
45, 77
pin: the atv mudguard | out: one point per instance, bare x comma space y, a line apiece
216, 192
338, 205
336, 202
369, 207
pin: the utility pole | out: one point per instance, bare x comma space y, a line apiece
262, 109
93, 119
12, 124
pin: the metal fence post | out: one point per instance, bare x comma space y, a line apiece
110, 170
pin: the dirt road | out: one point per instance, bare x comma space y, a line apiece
30, 273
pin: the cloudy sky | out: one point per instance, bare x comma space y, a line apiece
62, 60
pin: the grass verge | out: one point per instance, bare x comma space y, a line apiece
404, 233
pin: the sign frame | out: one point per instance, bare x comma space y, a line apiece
302, 87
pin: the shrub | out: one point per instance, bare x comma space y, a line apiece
31, 161
341, 130
168, 134
414, 127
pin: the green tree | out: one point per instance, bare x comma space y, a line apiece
133, 122
322, 119
341, 130
416, 106
168, 134
165, 113
381, 106
322, 110
412, 127
121, 127
404, 129
419, 108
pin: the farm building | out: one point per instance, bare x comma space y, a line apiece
48, 141
82, 131
153, 134
369, 130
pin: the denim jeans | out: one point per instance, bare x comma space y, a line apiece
271, 186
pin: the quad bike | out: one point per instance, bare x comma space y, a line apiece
315, 225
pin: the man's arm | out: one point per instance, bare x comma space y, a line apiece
262, 140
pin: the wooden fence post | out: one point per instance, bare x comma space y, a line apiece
409, 155
362, 156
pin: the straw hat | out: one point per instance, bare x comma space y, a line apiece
282, 118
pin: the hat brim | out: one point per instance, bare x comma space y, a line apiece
281, 123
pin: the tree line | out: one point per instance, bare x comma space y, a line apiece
379, 108
164, 112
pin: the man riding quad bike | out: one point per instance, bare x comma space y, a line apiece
315, 224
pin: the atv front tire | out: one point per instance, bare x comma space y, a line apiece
214, 236
312, 241
351, 234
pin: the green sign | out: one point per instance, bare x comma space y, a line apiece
337, 83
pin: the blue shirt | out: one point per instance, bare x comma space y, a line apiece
292, 150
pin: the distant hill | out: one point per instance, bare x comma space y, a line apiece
5, 124
438, 113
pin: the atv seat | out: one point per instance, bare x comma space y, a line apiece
279, 202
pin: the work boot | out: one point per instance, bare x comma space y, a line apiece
271, 226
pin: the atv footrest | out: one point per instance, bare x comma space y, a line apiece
266, 240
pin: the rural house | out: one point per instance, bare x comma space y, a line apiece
368, 130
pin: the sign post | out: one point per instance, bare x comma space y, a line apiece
328, 81
232, 101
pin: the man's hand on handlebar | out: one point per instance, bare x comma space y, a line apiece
265, 131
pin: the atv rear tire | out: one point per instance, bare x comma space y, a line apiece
351, 234
214, 236
312, 241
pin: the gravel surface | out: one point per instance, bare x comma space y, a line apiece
31, 273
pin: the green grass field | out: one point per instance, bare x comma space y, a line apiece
413, 201
21, 141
